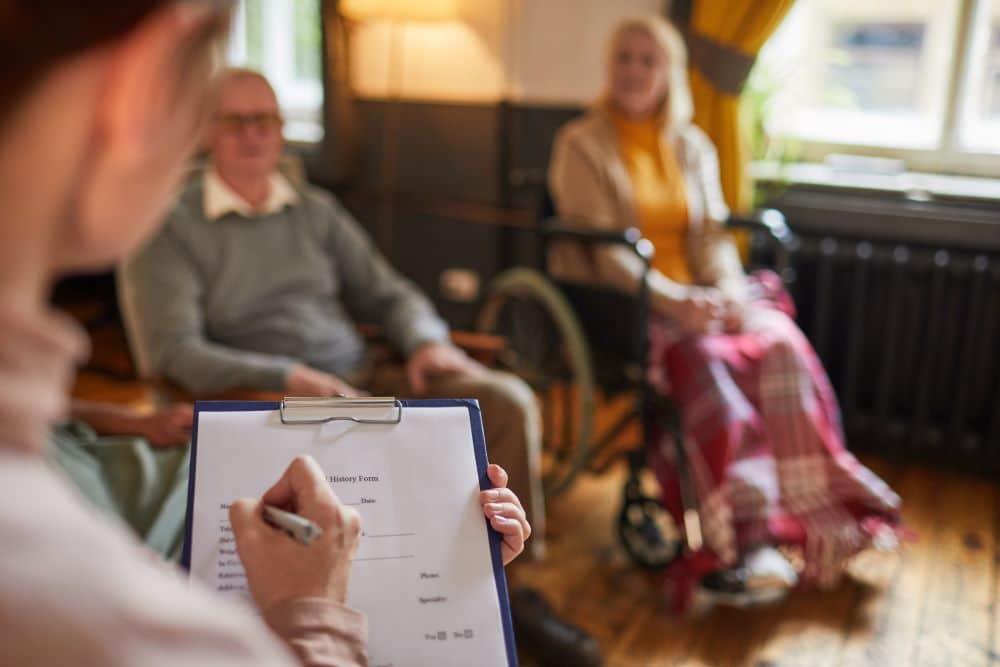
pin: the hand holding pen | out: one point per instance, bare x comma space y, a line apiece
297, 527
279, 568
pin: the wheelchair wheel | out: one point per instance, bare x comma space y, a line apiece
547, 349
647, 530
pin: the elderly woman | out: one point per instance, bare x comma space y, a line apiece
765, 448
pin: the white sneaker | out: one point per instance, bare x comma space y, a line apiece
763, 577
767, 568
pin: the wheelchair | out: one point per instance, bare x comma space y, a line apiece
575, 343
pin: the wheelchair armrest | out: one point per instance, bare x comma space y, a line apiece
559, 229
775, 229
631, 238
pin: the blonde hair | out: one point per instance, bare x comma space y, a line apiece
678, 107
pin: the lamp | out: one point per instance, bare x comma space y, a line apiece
399, 10
397, 13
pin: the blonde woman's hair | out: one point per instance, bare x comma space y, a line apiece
678, 105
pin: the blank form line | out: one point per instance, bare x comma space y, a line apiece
386, 558
394, 535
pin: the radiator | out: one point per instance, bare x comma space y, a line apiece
908, 335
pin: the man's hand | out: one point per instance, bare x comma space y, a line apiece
434, 359
305, 381
277, 566
505, 514
168, 427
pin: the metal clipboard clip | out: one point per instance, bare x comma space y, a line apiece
313, 405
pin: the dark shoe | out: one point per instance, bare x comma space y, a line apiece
546, 637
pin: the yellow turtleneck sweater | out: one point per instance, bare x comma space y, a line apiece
660, 193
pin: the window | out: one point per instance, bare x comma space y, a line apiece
912, 79
981, 129
282, 39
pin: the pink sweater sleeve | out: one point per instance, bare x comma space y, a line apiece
76, 588
320, 632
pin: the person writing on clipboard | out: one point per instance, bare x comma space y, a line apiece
100, 105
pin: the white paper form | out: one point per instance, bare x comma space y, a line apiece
423, 571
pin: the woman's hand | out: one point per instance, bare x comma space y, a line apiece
701, 310
277, 566
735, 297
505, 514
732, 313
710, 310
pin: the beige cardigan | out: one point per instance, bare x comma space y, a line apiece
591, 187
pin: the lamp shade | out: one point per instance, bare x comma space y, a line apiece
400, 10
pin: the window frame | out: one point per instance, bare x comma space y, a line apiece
950, 156
302, 102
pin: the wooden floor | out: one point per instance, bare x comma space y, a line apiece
931, 605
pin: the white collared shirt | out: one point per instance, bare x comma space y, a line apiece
221, 199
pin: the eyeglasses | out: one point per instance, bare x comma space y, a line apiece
262, 122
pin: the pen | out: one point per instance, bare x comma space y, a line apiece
302, 529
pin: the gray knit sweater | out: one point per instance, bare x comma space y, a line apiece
236, 302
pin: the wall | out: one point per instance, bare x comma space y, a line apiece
524, 51
558, 47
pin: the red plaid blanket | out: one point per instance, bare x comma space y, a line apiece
765, 447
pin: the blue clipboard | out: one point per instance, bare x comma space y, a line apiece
478, 443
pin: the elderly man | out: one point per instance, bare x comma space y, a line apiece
256, 284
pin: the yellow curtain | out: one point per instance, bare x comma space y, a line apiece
743, 25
